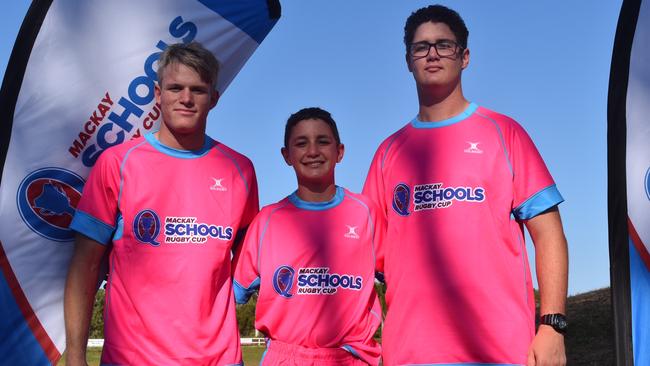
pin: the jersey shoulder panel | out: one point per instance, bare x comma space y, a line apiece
506, 124
267, 210
238, 158
362, 200
242, 164
391, 144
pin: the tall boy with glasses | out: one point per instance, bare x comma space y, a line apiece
457, 184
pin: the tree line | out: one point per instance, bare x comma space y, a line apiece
245, 314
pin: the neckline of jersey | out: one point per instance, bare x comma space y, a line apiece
317, 206
177, 153
471, 108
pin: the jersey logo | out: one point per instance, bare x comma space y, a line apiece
188, 230
283, 281
319, 281
218, 186
47, 199
473, 148
433, 196
401, 199
146, 227
352, 232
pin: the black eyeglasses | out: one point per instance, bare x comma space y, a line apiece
443, 48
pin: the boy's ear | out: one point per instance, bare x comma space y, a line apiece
465, 58
285, 155
341, 151
215, 98
408, 62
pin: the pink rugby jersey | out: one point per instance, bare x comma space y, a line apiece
172, 217
314, 266
455, 194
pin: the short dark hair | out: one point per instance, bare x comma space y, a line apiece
310, 113
192, 55
436, 14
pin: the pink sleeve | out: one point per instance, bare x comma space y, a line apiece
534, 188
251, 205
246, 276
252, 201
374, 187
97, 211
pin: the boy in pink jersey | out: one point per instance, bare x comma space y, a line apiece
171, 205
312, 256
457, 184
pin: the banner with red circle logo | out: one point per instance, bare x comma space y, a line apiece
80, 80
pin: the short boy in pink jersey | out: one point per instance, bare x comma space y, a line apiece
170, 206
312, 256
457, 185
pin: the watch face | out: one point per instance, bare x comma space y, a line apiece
561, 323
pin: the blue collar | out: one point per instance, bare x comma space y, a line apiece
317, 206
183, 154
446, 122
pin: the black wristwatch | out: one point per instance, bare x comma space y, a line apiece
557, 321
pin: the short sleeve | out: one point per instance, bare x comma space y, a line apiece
374, 187
96, 214
534, 188
252, 206
246, 276
251, 203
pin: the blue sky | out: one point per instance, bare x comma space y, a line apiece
546, 64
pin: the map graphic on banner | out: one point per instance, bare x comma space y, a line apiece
81, 79
629, 183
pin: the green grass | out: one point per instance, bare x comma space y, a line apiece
251, 355
92, 357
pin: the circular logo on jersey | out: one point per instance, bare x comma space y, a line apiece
401, 199
283, 281
47, 199
647, 183
146, 227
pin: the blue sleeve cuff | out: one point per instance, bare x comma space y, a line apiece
242, 294
349, 348
538, 203
91, 227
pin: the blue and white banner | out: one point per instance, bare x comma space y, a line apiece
629, 183
81, 79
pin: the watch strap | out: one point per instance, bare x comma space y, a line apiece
557, 321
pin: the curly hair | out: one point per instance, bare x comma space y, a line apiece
436, 14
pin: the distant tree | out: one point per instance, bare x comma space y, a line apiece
246, 317
97, 320
380, 288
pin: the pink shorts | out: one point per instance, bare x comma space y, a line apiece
284, 354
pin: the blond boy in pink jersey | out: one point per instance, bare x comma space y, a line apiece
457, 185
170, 204
312, 257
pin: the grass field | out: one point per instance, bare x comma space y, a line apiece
251, 355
